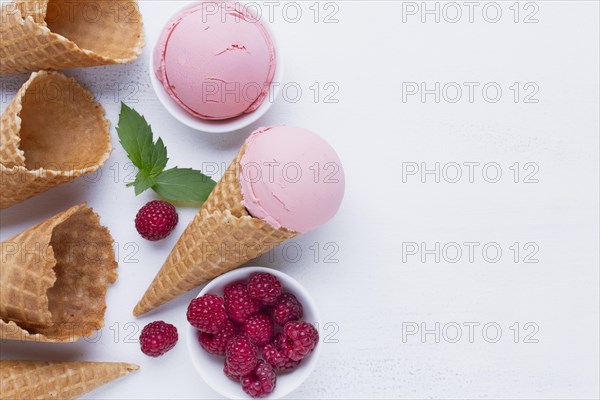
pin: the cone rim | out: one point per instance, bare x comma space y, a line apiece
136, 51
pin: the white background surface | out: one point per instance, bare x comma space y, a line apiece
371, 294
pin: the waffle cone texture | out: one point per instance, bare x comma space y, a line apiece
62, 34
221, 237
56, 380
54, 277
51, 133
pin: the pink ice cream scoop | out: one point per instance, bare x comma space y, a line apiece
291, 178
216, 60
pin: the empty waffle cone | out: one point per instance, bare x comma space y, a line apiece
61, 34
55, 379
221, 237
51, 133
54, 277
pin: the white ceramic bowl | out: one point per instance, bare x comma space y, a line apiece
227, 125
210, 367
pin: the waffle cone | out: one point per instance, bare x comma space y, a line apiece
54, 277
43, 35
51, 133
221, 237
55, 379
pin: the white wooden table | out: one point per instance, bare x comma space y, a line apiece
418, 301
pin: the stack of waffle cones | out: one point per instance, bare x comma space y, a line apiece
39, 34
56, 380
51, 133
54, 277
222, 237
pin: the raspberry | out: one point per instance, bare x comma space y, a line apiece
241, 355
287, 309
264, 288
230, 374
278, 340
259, 329
157, 338
259, 382
272, 354
238, 303
156, 220
217, 344
207, 314
300, 339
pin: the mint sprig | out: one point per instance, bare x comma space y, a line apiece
175, 184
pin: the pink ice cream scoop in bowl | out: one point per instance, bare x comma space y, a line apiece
214, 66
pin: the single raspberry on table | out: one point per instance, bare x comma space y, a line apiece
260, 382
238, 303
241, 355
273, 355
259, 328
217, 343
207, 313
286, 309
264, 287
157, 338
300, 339
156, 220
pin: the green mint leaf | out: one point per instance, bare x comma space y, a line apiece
159, 158
143, 182
175, 184
135, 135
183, 184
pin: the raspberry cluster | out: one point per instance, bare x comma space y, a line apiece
256, 326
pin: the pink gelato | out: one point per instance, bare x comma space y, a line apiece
216, 60
290, 177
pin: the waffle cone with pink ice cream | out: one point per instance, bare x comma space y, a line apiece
284, 181
216, 60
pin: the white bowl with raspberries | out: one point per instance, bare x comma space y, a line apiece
252, 333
